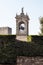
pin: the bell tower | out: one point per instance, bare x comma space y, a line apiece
22, 26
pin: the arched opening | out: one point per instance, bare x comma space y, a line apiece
22, 26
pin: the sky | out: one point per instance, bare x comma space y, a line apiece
9, 8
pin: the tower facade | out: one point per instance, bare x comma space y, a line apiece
22, 26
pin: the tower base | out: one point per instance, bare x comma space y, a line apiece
21, 38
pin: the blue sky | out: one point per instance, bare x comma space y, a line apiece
9, 8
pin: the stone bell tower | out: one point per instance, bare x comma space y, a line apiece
22, 26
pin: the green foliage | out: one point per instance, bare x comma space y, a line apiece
10, 48
41, 20
29, 38
7, 49
41, 29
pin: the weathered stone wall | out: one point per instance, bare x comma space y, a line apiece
22, 60
5, 31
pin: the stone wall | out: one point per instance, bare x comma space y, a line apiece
5, 31
23, 60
